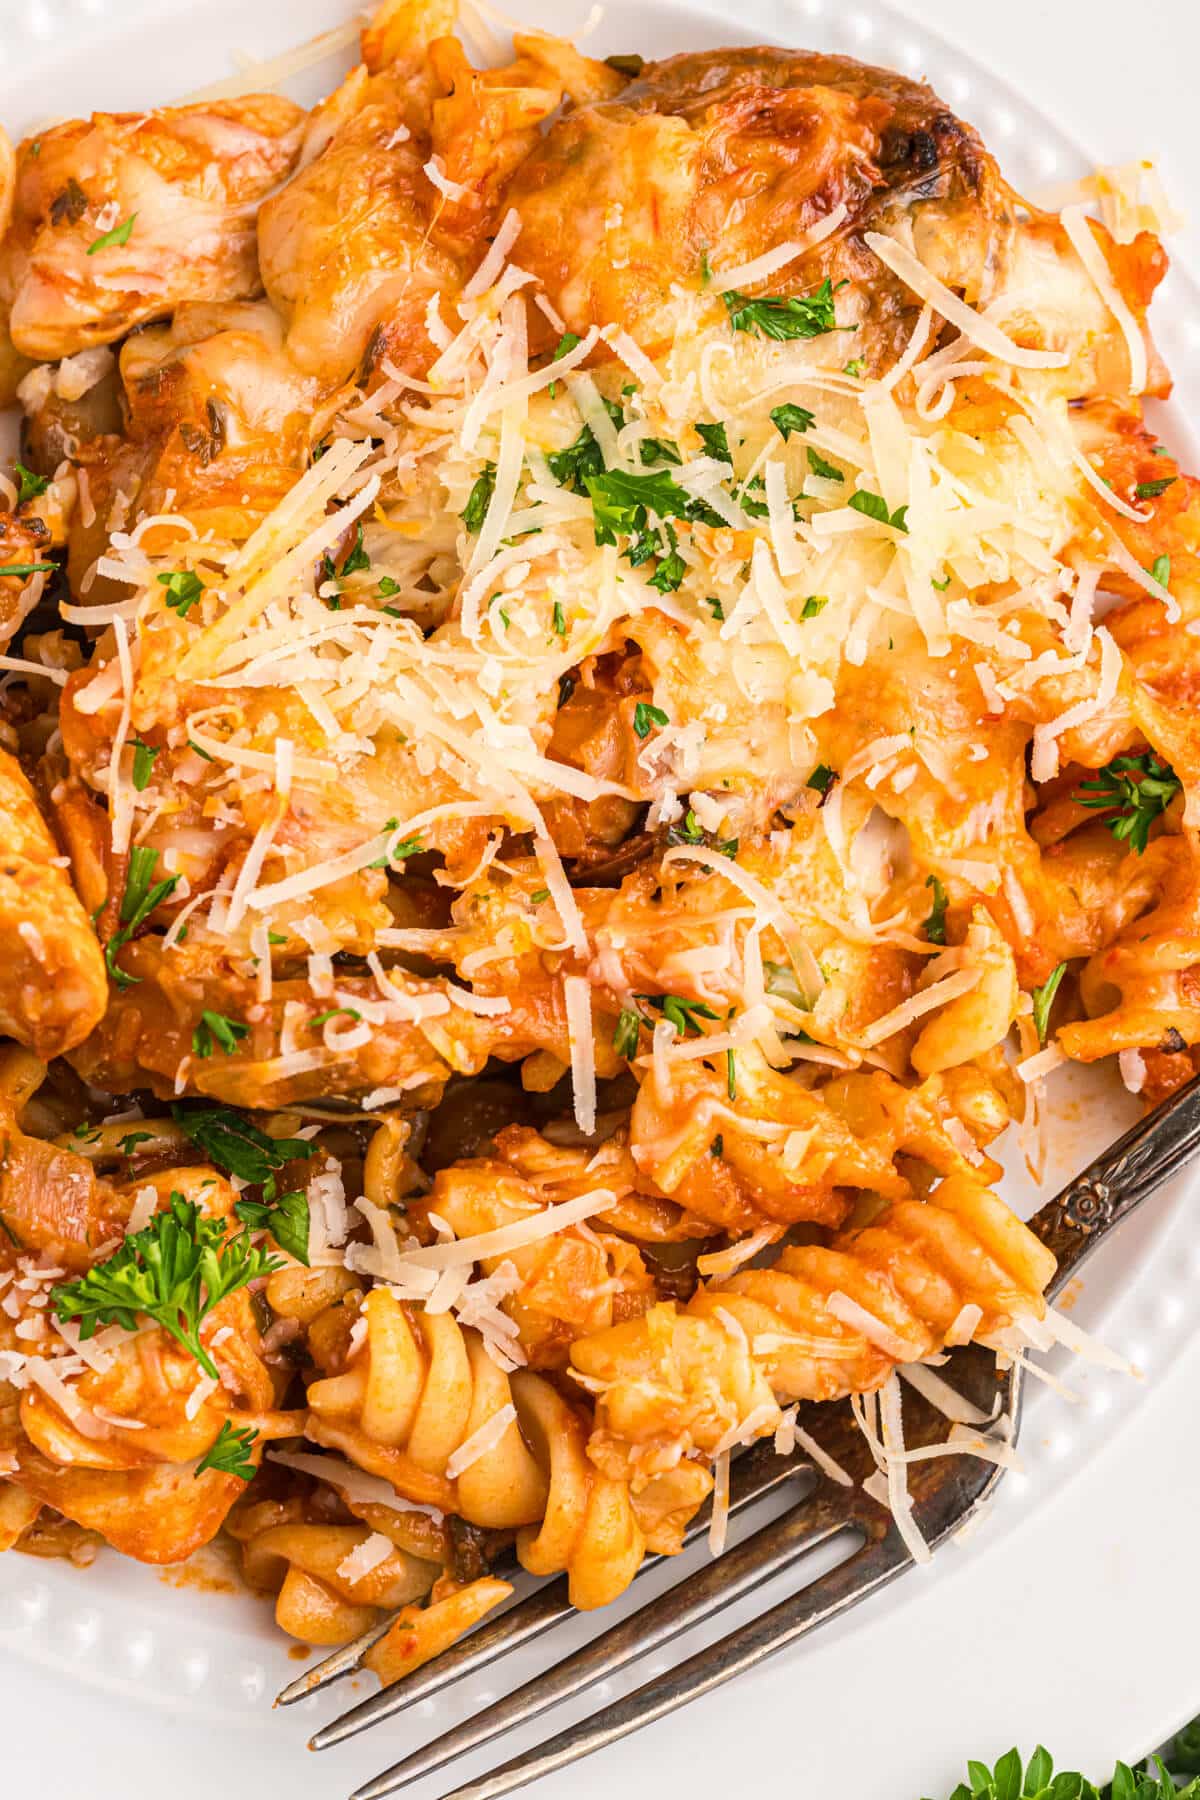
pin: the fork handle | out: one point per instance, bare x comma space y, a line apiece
1109, 1189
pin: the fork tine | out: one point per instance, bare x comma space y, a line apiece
716, 1585
752, 1477
868, 1569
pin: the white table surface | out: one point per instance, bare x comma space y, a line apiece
1119, 76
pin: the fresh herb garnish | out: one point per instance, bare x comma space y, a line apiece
31, 485
38, 568
332, 1012
715, 608
715, 439
645, 715
730, 1075
671, 568
822, 778
1150, 490
1009, 1780
652, 450
479, 499
625, 1037
174, 1272
203, 754
216, 1030
129, 1143
538, 895
560, 620
826, 470
120, 234
184, 588
236, 1146
788, 418
1137, 803
622, 502
816, 603
1043, 1000
781, 316
358, 558
935, 924
874, 506
682, 1014
142, 894
409, 846
566, 342
1160, 571
856, 367
143, 764
230, 1454
286, 1219
388, 587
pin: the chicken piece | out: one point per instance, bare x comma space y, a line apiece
53, 986
177, 190
364, 239
710, 159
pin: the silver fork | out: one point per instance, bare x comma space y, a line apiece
945, 1493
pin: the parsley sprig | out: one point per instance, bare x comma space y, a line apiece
1137, 789
935, 924
1036, 1780
230, 1454
286, 1219
1043, 1000
174, 1272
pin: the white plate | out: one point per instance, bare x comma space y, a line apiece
1023, 1633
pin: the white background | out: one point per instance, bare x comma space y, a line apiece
1119, 76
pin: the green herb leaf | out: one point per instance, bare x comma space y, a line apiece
856, 367
560, 620
230, 1454
479, 499
652, 450
358, 558
1150, 490
715, 439
129, 1143
388, 587
783, 317
332, 1012
715, 608
874, 506
142, 894
788, 418
184, 588
409, 846
730, 1075
1135, 803
1160, 571
286, 1219
202, 754
143, 764
120, 234
39, 568
236, 1146
826, 470
682, 1014
941, 585
816, 603
174, 1272
622, 502
625, 1037
1043, 1000
935, 924
538, 895
566, 343
822, 778
216, 1030
31, 485
645, 715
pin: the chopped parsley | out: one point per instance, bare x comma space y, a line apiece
788, 418
184, 588
941, 585
1150, 490
715, 439
143, 764
120, 234
142, 894
538, 895
237, 1147
816, 603
622, 502
715, 608
560, 620
230, 1454
682, 1014
781, 316
826, 470
286, 1219
1160, 571
671, 568
479, 499
388, 587
174, 1272
1135, 804
822, 779
874, 506
38, 568
654, 450
217, 1031
935, 924
625, 1037
332, 1012
730, 1075
129, 1143
31, 485
645, 715
566, 343
409, 846
1043, 1000
856, 367
358, 558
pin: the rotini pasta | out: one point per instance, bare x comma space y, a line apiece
600, 691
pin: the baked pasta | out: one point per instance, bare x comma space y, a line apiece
600, 682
